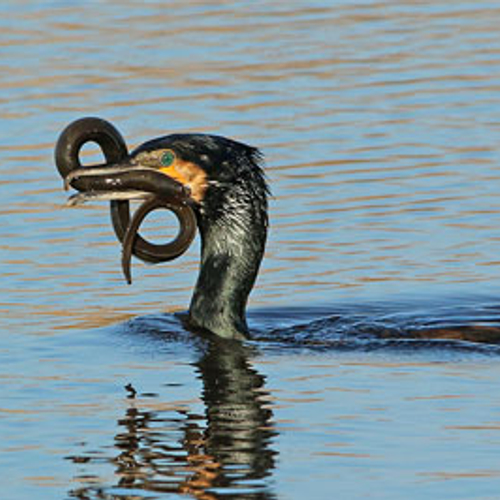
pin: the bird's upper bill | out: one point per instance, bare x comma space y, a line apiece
145, 173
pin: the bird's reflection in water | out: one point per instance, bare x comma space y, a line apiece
225, 453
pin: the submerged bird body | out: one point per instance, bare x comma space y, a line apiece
226, 188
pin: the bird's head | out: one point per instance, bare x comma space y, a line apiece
199, 169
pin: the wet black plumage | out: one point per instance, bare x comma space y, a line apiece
232, 220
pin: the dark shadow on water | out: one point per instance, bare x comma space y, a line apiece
224, 453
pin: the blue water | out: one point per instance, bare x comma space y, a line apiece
373, 368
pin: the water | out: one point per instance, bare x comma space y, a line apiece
380, 127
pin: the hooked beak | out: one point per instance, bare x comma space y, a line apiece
124, 180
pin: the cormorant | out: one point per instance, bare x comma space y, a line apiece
220, 180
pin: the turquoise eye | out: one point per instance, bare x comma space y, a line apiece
167, 158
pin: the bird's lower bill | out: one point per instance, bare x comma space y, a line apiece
81, 198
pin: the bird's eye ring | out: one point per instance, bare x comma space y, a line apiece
167, 158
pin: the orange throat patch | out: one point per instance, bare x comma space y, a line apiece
190, 175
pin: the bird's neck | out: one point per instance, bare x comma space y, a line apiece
232, 247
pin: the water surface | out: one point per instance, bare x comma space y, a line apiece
380, 126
